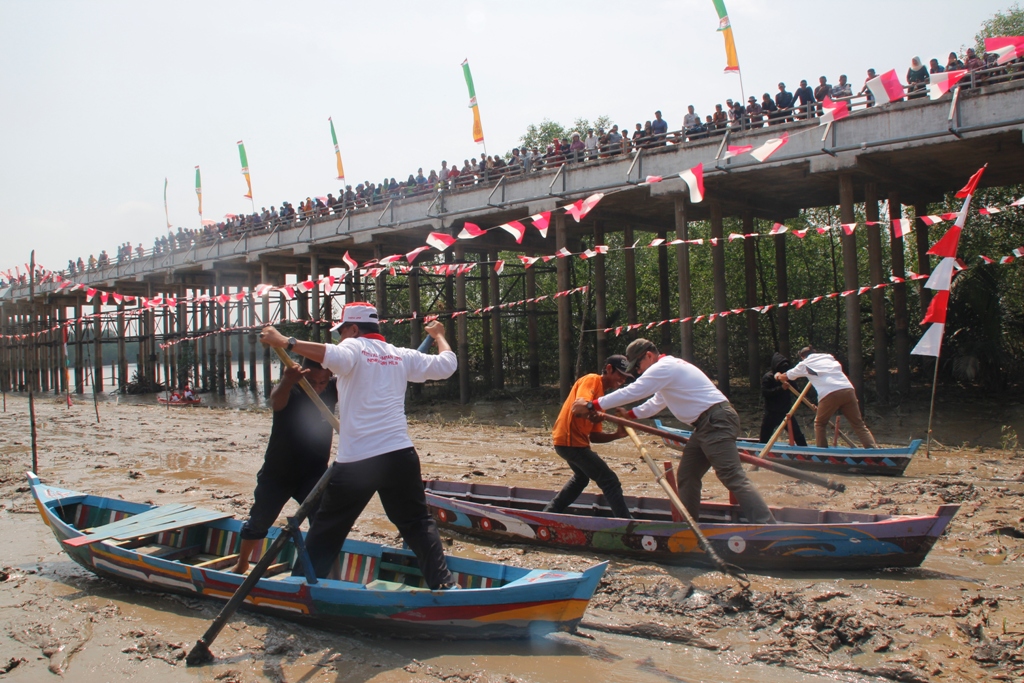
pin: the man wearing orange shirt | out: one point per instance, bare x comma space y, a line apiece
573, 436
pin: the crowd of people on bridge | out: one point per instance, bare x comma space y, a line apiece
785, 106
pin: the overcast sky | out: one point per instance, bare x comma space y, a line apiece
102, 100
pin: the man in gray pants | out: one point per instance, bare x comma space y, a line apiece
692, 398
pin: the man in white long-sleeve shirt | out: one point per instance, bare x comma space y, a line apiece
692, 398
835, 393
375, 453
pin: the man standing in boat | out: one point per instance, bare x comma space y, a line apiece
692, 398
777, 401
835, 393
297, 454
573, 436
375, 453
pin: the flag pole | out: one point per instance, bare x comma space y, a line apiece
931, 409
32, 359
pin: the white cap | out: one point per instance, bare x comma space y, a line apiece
357, 312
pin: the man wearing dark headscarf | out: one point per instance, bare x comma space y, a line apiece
777, 402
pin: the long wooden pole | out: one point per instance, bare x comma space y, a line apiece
778, 430
32, 357
931, 411
809, 477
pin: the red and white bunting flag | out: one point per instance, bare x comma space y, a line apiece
972, 184
931, 341
930, 220
736, 150
563, 252
224, 298
411, 256
540, 221
937, 308
440, 241
948, 216
516, 229
946, 246
986, 259
1018, 252
886, 88
940, 84
89, 294
1006, 259
833, 111
1007, 48
821, 230
388, 260
941, 277
499, 266
736, 236
262, 290
652, 179
769, 148
469, 231
528, 260
575, 209
589, 203
990, 210
118, 299
694, 179
589, 253
104, 296
656, 242
601, 248
349, 261
304, 286
848, 228
800, 233
901, 226
1018, 202
779, 229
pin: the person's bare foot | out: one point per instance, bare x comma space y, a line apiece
240, 568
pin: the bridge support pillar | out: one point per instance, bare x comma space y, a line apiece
781, 295
683, 276
750, 276
851, 280
79, 363
630, 274
533, 353
924, 264
664, 305
899, 302
487, 355
720, 297
878, 322
498, 358
600, 300
265, 279
415, 331
565, 355
97, 373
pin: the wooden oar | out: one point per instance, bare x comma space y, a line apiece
659, 475
201, 654
807, 402
809, 477
778, 430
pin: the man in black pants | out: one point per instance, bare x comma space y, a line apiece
375, 453
297, 453
777, 401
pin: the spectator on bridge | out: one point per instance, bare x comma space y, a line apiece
866, 90
140, 251
515, 162
953, 63
421, 180
432, 180
755, 114
973, 62
81, 265
720, 120
614, 140
590, 144
843, 89
577, 149
691, 123
71, 267
935, 68
442, 175
660, 128
770, 109
804, 100
465, 174
103, 261
822, 91
784, 101
917, 78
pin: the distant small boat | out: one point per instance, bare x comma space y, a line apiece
803, 539
181, 549
875, 461
182, 402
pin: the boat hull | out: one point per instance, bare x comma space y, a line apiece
494, 601
805, 540
889, 462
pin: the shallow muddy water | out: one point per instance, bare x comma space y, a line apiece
959, 617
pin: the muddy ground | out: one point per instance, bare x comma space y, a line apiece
957, 618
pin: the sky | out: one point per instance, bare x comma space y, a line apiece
103, 100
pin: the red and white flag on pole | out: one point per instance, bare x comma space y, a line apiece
832, 111
440, 241
940, 84
694, 179
886, 88
769, 148
972, 183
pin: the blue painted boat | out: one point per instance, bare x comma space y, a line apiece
803, 539
890, 462
184, 550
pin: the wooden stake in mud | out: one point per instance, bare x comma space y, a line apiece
32, 358
660, 475
809, 477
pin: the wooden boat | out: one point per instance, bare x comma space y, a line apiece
181, 549
875, 461
803, 539
163, 401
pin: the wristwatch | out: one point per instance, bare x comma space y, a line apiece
291, 344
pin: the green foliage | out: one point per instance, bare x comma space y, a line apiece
1007, 23
540, 135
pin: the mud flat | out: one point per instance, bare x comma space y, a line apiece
959, 617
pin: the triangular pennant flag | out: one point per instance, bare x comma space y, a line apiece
937, 308
779, 229
931, 342
563, 252
848, 228
941, 83
694, 179
946, 247
770, 147
499, 266
540, 221
942, 275
901, 226
440, 241
656, 242
589, 203
528, 260
516, 229
469, 231
652, 179
800, 233
972, 184
930, 220
886, 88
736, 150
411, 256
833, 111
349, 261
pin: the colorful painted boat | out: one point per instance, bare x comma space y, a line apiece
802, 539
875, 461
184, 550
